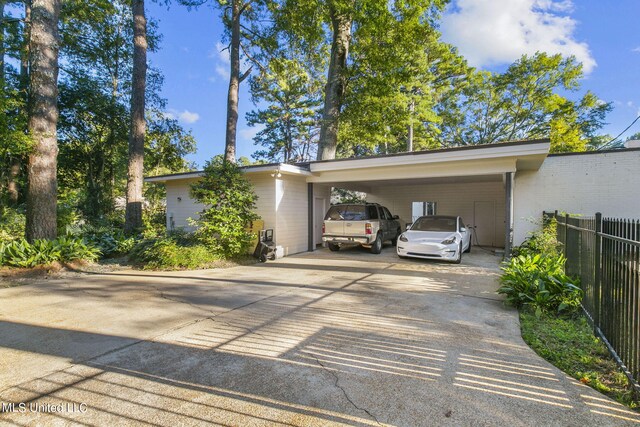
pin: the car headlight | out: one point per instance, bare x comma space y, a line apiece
449, 241
403, 238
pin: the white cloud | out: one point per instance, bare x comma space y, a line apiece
188, 117
636, 49
223, 52
500, 31
223, 71
247, 134
220, 54
185, 116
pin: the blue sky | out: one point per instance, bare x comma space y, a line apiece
601, 34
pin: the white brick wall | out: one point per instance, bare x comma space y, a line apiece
189, 208
282, 204
292, 219
578, 184
451, 199
264, 187
183, 209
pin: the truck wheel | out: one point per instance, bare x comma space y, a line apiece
334, 247
376, 247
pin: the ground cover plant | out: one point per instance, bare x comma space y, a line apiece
21, 253
177, 250
568, 343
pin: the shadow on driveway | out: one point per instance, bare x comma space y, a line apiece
347, 346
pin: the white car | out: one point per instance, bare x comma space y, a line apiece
435, 237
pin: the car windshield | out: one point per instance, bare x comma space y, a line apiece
426, 223
347, 212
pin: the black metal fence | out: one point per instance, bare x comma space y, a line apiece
605, 254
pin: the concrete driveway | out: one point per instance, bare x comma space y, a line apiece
315, 339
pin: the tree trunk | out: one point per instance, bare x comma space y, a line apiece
234, 84
412, 109
43, 119
133, 216
12, 181
334, 90
16, 162
2, 85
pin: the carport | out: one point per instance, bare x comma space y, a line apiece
474, 182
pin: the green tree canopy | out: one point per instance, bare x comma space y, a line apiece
290, 121
529, 100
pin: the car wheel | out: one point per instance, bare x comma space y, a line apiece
376, 247
263, 258
394, 241
468, 249
459, 257
333, 247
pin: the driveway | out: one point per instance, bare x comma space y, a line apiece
314, 339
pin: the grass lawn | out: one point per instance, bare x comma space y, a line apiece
569, 344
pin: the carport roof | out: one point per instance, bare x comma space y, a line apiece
476, 160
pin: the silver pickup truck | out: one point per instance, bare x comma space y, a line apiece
366, 224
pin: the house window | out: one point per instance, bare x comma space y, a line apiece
419, 209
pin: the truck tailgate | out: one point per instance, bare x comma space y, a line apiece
344, 228
334, 228
354, 228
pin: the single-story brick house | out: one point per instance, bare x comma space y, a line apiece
498, 189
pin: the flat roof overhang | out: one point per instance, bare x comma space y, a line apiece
451, 163
272, 168
454, 164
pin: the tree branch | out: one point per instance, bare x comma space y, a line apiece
252, 59
245, 74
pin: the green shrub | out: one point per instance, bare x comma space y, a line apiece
110, 240
230, 202
67, 215
540, 283
20, 253
172, 252
154, 219
12, 223
542, 241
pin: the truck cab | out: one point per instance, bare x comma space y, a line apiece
365, 224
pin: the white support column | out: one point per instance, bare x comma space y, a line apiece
508, 217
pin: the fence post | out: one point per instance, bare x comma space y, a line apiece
596, 264
566, 233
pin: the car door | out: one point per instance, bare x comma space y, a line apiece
389, 231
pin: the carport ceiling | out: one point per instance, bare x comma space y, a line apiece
367, 186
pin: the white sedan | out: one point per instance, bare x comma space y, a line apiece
435, 237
